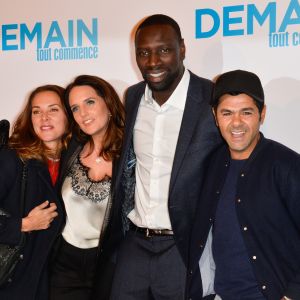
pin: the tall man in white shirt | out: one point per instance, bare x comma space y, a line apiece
169, 133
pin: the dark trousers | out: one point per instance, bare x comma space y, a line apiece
72, 273
148, 268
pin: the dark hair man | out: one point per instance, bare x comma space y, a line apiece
169, 132
252, 189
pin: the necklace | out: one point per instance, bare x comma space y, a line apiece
98, 160
53, 159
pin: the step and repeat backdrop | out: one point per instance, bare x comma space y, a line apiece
53, 41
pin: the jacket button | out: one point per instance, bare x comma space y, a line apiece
201, 246
245, 228
239, 200
254, 257
263, 287
191, 272
242, 175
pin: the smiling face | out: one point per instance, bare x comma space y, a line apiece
48, 118
89, 111
160, 55
239, 120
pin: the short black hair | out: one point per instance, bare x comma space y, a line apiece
160, 19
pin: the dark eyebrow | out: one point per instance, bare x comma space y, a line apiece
248, 108
230, 110
36, 106
226, 109
85, 100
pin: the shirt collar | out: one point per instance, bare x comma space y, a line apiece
178, 97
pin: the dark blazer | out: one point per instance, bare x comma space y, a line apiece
30, 280
198, 136
268, 210
106, 252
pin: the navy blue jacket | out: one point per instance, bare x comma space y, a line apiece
268, 210
198, 136
30, 280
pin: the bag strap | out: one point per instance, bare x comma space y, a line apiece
23, 187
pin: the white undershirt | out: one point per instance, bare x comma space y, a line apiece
155, 138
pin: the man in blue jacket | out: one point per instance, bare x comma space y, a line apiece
252, 191
169, 133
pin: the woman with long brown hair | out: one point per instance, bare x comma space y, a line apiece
86, 184
39, 135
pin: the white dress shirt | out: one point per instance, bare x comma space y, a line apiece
207, 268
155, 138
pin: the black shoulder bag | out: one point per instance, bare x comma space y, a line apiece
11, 255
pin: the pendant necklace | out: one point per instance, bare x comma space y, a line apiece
98, 160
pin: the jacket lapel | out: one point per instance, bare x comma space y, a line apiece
133, 99
190, 119
43, 173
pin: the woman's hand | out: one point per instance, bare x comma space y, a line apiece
39, 217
